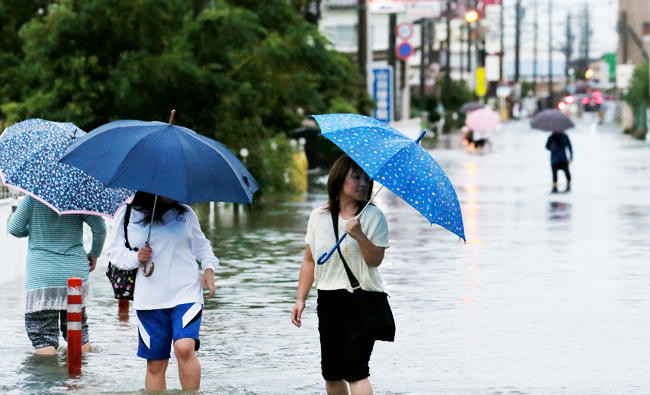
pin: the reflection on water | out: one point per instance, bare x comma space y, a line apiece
559, 211
548, 296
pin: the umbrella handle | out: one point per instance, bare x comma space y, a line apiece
144, 266
323, 258
144, 269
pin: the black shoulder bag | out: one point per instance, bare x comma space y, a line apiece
123, 281
374, 312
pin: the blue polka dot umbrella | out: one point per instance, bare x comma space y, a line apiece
397, 163
29, 161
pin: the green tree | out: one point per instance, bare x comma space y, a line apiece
239, 71
638, 97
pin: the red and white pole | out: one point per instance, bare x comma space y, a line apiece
74, 326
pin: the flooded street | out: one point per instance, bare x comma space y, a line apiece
550, 295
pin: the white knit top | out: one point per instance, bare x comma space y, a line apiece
320, 237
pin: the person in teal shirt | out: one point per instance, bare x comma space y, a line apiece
55, 253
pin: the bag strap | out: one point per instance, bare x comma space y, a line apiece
127, 216
353, 280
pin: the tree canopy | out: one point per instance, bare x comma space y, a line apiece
239, 71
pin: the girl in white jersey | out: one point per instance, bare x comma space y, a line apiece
169, 303
345, 349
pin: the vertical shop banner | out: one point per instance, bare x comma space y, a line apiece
382, 92
481, 87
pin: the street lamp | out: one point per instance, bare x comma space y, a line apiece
471, 16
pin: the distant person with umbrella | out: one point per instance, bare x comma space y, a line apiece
558, 142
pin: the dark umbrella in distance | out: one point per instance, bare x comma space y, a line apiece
552, 121
470, 106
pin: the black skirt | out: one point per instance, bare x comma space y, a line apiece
345, 351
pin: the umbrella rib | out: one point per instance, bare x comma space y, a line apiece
187, 185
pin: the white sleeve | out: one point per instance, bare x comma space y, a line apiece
117, 253
377, 228
200, 245
309, 237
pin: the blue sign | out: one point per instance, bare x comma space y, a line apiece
382, 92
404, 50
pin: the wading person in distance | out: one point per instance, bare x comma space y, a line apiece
558, 143
55, 253
345, 349
169, 303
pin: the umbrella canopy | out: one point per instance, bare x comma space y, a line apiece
470, 106
398, 163
552, 121
29, 161
162, 159
482, 120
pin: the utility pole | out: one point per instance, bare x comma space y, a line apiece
448, 45
469, 49
535, 29
392, 26
501, 43
584, 40
622, 28
462, 44
517, 37
568, 46
550, 52
432, 38
362, 40
423, 44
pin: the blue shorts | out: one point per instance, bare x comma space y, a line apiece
158, 328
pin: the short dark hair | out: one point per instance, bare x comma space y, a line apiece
336, 179
143, 202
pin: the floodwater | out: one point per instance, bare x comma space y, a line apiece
550, 295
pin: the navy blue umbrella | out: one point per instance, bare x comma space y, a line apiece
162, 159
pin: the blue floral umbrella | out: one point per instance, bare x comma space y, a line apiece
29, 161
399, 164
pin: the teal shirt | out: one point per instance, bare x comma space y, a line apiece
55, 252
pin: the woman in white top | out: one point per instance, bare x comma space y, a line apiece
169, 303
345, 350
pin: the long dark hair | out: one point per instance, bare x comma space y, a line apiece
143, 202
335, 182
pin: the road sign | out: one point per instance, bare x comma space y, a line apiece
404, 50
404, 30
382, 92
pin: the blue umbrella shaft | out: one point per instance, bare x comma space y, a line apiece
326, 255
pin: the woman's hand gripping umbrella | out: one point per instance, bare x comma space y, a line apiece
397, 163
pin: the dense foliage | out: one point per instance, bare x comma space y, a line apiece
239, 71
638, 97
